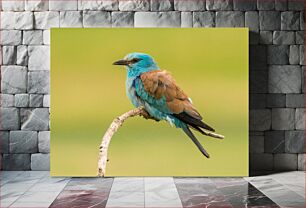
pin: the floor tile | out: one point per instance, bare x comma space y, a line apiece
125, 199
50, 185
200, 192
84, 192
163, 198
158, 183
22, 204
81, 198
161, 192
291, 180
101, 184
7, 176
277, 192
128, 184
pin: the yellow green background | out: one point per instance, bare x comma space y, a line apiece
88, 92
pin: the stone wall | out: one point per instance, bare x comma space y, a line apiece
277, 104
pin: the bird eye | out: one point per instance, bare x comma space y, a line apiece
134, 60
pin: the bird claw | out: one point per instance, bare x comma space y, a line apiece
146, 115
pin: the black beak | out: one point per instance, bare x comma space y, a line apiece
122, 62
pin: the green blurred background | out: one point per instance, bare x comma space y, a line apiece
88, 92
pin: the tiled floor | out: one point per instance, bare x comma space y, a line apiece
37, 189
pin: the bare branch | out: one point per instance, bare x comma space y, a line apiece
113, 128
115, 125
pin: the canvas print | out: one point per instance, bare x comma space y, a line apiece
149, 102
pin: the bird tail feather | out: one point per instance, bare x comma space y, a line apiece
195, 141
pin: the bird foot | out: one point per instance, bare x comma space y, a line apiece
146, 115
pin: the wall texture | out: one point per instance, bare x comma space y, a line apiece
277, 123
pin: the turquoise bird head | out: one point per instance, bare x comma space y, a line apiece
137, 63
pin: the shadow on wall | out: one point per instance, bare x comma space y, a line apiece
276, 119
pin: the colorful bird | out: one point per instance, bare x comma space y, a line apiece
155, 90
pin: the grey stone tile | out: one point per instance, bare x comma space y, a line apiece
269, 20
266, 37
13, 79
256, 144
6, 100
196, 5
71, 18
157, 19
11, 37
229, 19
23, 142
36, 100
122, 19
285, 162
21, 100
295, 100
301, 165
283, 37
290, 20
4, 142
265, 5
276, 100
32, 37
22, 55
246, 5
285, 79
295, 141
302, 55
302, 20
39, 58
274, 141
46, 20
39, 82
299, 37
98, 5
63, 5
297, 5
252, 21
258, 81
300, 119
278, 54
186, 19
203, 19
294, 54
257, 101
261, 161
260, 120
37, 5
222, 5
35, 120
283, 118
40, 161
44, 141
7, 20
162, 5
9, 55
10, 119
281, 5
138, 5
258, 56
16, 161
96, 19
